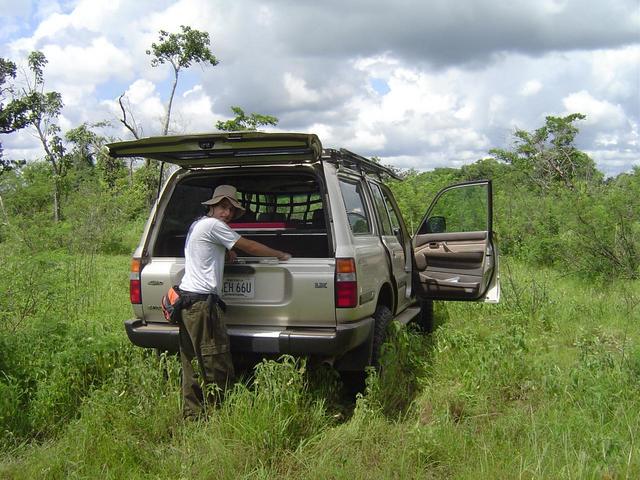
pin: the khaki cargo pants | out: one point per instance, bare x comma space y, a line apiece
203, 337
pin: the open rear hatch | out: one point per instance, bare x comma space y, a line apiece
219, 149
285, 210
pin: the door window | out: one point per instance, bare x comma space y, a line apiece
381, 208
355, 207
462, 208
394, 216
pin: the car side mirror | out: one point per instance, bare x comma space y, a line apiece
435, 224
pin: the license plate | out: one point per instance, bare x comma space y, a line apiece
236, 287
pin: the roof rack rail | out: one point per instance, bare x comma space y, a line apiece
359, 163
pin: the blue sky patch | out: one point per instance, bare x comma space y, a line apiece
380, 86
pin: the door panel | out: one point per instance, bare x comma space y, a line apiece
450, 266
392, 237
441, 252
453, 251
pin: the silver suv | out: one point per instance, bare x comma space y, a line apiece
354, 268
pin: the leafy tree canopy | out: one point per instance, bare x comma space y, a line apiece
547, 156
13, 114
180, 50
242, 121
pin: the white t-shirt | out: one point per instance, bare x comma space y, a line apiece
207, 241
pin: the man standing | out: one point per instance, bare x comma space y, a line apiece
203, 335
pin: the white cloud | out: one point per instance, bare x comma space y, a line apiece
195, 114
141, 91
415, 91
265, 16
323, 132
496, 108
95, 14
531, 87
606, 139
92, 64
612, 162
369, 140
553, 6
456, 89
464, 113
597, 111
11, 8
297, 90
192, 91
143, 105
52, 25
612, 69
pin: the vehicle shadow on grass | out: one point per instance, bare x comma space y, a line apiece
391, 388
405, 363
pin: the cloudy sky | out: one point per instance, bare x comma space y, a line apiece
420, 83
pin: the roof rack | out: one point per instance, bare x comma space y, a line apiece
353, 161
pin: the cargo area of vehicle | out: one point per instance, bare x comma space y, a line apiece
283, 210
297, 243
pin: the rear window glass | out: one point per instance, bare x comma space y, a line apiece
284, 201
276, 206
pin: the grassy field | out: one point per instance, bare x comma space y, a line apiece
544, 385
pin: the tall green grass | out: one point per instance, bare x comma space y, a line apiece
544, 385
60, 337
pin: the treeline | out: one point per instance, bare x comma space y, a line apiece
102, 206
552, 207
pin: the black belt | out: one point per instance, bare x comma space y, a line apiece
189, 298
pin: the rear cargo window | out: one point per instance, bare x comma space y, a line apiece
293, 208
284, 211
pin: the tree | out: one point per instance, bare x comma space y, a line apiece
87, 152
243, 122
548, 156
13, 114
180, 50
43, 110
417, 189
485, 168
131, 125
86, 144
88, 155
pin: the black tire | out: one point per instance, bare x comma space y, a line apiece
354, 382
382, 317
425, 317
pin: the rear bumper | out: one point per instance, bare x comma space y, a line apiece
297, 341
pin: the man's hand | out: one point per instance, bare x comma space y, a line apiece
231, 256
260, 250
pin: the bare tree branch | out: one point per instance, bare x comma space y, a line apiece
124, 121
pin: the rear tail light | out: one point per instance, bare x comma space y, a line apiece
135, 286
346, 284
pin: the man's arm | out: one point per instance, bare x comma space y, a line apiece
259, 250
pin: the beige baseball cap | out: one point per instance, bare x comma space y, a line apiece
229, 192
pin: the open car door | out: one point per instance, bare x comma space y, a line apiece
454, 252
